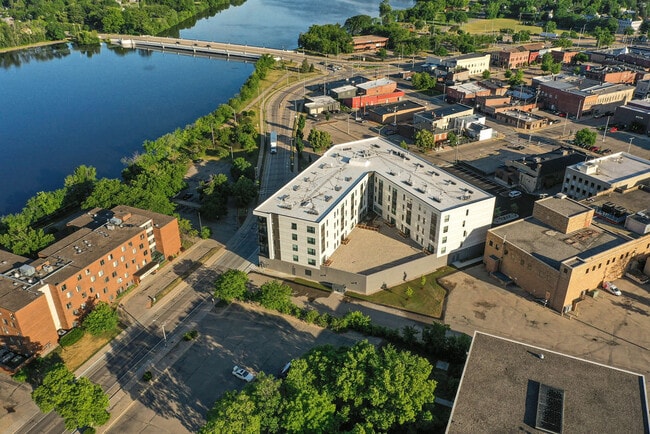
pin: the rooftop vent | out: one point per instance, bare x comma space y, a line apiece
296, 187
338, 188
328, 198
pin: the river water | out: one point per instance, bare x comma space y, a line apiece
61, 107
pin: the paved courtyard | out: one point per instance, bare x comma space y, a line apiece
369, 250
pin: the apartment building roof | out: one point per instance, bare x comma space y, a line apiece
84, 247
614, 168
553, 247
504, 384
319, 188
15, 293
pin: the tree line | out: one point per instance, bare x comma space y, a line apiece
31, 21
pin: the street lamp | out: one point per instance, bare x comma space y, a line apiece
630, 145
605, 132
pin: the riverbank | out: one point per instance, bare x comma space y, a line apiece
34, 45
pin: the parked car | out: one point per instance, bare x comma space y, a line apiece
609, 286
284, 371
242, 374
514, 193
613, 129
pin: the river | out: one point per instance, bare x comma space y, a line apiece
61, 107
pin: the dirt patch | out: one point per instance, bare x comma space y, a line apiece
485, 304
479, 314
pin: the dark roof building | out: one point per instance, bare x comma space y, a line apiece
509, 387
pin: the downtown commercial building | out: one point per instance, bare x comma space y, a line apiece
306, 221
107, 252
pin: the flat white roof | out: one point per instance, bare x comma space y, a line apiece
319, 188
374, 83
615, 168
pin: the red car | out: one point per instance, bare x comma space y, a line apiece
613, 129
562, 115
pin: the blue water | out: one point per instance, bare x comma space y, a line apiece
61, 107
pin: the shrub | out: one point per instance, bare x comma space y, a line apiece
147, 376
191, 335
311, 315
323, 320
71, 337
21, 376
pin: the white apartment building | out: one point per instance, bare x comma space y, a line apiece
475, 63
602, 175
303, 224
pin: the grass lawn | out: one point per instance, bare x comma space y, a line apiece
427, 300
78, 353
487, 26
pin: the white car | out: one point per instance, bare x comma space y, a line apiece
242, 374
514, 193
609, 286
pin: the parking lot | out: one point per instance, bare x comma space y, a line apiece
180, 396
606, 329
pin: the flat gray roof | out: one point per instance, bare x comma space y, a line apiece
553, 247
375, 83
12, 295
498, 391
320, 187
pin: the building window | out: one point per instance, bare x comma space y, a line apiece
114, 274
445, 229
105, 290
110, 257
308, 272
443, 250
294, 226
64, 287
79, 277
68, 294
114, 264
311, 230
87, 272
311, 262
101, 273
102, 262
295, 258
294, 237
446, 218
311, 240
444, 240
311, 251
68, 306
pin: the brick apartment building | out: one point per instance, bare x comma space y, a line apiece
511, 57
576, 96
559, 253
108, 252
368, 42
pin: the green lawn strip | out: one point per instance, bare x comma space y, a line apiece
195, 266
427, 300
79, 353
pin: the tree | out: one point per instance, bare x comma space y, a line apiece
585, 137
486, 74
231, 285
242, 167
580, 57
357, 24
423, 81
319, 139
453, 138
304, 66
517, 78
101, 319
244, 191
425, 140
274, 295
77, 400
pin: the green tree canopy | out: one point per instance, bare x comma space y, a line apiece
275, 295
585, 137
77, 400
231, 285
357, 389
101, 319
244, 191
425, 140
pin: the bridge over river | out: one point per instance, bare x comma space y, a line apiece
201, 48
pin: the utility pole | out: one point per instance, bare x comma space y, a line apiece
605, 132
629, 147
